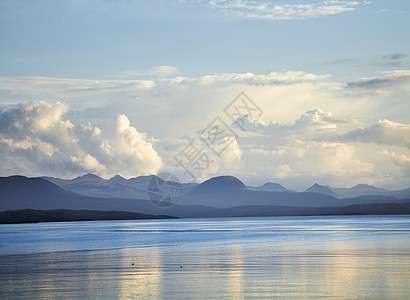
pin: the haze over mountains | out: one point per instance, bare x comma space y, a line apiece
218, 196
119, 187
116, 187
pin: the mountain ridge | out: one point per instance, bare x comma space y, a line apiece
19, 192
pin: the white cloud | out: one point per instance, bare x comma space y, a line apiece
36, 140
264, 10
388, 79
302, 162
161, 71
342, 148
384, 132
283, 171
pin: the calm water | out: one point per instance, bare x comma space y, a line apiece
289, 257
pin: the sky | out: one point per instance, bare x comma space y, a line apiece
293, 92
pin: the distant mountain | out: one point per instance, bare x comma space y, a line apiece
64, 215
220, 184
228, 191
116, 187
30, 189
401, 194
94, 186
136, 188
118, 179
18, 192
321, 189
271, 187
360, 190
220, 196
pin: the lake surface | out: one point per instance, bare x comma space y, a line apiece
353, 257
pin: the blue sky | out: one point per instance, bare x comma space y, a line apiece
112, 87
97, 39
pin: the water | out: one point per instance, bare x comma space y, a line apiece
354, 257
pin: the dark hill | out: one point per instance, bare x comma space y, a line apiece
64, 215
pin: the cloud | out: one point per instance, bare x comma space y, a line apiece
264, 10
36, 140
401, 77
394, 56
295, 141
68, 87
302, 162
311, 125
394, 59
160, 71
384, 132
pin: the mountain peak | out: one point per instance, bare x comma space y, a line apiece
363, 185
321, 189
221, 183
88, 176
271, 187
118, 178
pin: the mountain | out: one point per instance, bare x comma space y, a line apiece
401, 194
271, 187
360, 190
228, 191
30, 190
94, 186
321, 189
136, 188
219, 196
19, 192
220, 184
116, 187
118, 179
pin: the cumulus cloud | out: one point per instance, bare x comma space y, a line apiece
308, 161
295, 141
35, 139
264, 10
384, 132
311, 125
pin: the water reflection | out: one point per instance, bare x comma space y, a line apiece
143, 278
233, 264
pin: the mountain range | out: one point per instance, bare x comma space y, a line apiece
218, 196
119, 187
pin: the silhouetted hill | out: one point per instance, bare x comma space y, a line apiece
65, 215
33, 188
220, 196
357, 209
18, 192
